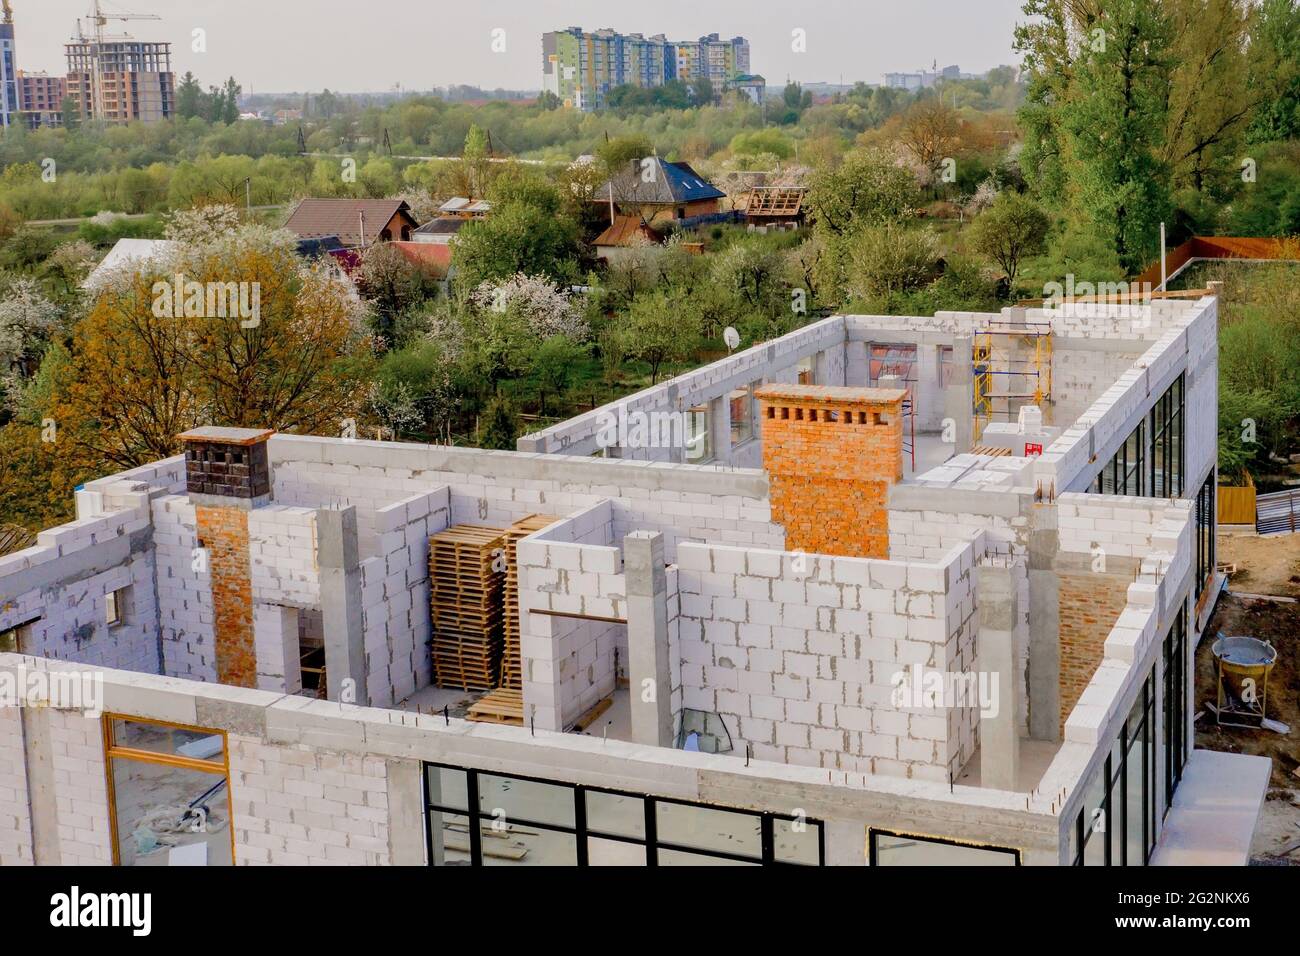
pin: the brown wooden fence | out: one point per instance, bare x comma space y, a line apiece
1236, 505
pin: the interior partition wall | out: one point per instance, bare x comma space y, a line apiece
477, 818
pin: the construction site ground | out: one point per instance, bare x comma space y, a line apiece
1264, 566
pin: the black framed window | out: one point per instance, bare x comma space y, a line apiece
1175, 705
1116, 824
1166, 423
1207, 517
890, 848
1124, 474
477, 818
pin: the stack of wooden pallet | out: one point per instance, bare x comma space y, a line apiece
511, 667
506, 705
465, 583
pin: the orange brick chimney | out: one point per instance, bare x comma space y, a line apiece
227, 474
831, 455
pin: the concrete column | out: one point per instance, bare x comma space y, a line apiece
275, 641
647, 638
1044, 631
999, 610
338, 558
406, 814
958, 398
845, 843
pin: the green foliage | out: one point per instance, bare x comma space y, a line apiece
890, 258
866, 189
527, 232
1009, 230
617, 153
499, 429
769, 141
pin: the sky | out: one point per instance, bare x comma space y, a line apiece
372, 45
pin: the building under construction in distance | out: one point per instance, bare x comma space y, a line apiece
135, 79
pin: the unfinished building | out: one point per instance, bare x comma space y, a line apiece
885, 591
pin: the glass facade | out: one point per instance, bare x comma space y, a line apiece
1116, 825
525, 822
1150, 462
1124, 474
1176, 744
1166, 425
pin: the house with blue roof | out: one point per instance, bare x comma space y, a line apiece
660, 192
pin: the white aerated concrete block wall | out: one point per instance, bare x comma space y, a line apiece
77, 743
282, 556
15, 817
80, 563
395, 615
686, 503
300, 806
569, 662
801, 655
184, 583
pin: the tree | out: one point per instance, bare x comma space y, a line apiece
1275, 71
141, 372
1099, 95
474, 159
499, 431
548, 101
867, 188
527, 232
71, 114
1209, 103
554, 363
1012, 228
392, 284
702, 92
616, 153
189, 97
230, 102
930, 131
654, 330
891, 257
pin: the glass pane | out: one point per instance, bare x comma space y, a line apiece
447, 788
9, 641
614, 853
697, 440
170, 816
1135, 799
1094, 820
682, 858
450, 838
709, 829
510, 799
160, 739
742, 418
615, 813
796, 841
915, 851
517, 845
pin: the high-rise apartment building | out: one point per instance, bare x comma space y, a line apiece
581, 68
40, 97
9, 104
136, 81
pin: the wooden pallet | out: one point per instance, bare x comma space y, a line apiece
465, 601
505, 705
511, 660
990, 451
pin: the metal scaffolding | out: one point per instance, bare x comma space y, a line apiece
1022, 357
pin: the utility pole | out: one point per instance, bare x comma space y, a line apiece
248, 196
